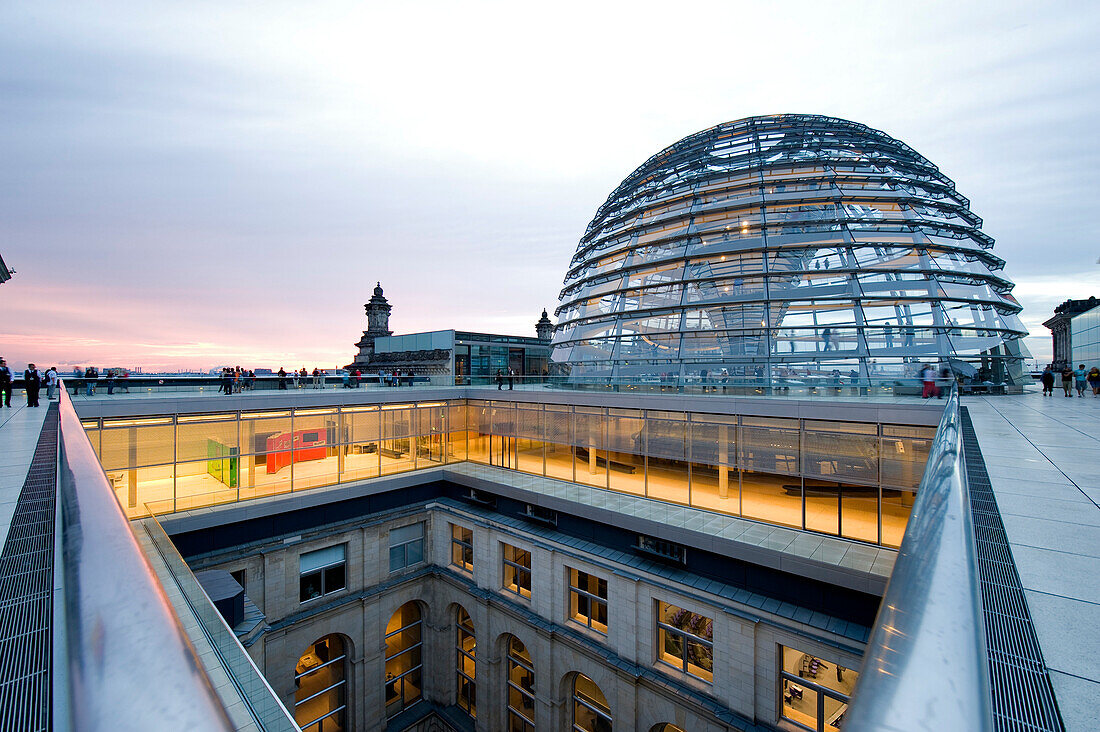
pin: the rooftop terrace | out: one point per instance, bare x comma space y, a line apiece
1037, 454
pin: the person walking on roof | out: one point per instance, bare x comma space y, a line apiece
1079, 380
500, 380
1093, 378
928, 377
1047, 380
1067, 380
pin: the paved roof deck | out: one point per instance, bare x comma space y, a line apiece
1043, 459
20, 426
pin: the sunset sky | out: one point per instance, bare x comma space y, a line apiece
184, 185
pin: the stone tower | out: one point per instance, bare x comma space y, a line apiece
378, 324
544, 328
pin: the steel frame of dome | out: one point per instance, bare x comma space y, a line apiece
777, 246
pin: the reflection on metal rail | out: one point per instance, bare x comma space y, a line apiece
127, 664
926, 663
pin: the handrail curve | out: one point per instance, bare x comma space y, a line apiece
926, 663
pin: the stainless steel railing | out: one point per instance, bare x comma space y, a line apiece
127, 663
926, 662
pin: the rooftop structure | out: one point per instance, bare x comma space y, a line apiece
787, 245
449, 354
1067, 323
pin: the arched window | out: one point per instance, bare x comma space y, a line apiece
666, 727
466, 645
403, 659
590, 710
521, 688
321, 687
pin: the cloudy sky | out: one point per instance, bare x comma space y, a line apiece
191, 184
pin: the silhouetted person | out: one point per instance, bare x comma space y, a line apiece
1048, 381
5, 384
500, 380
282, 378
32, 382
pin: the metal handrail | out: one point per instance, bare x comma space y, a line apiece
926, 662
128, 662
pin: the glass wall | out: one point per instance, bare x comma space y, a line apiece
168, 464
855, 480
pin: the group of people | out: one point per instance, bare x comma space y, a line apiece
33, 381
235, 380
90, 378
510, 377
396, 378
1072, 379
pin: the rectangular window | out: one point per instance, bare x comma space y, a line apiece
685, 640
462, 547
588, 600
466, 680
517, 570
815, 692
321, 572
406, 546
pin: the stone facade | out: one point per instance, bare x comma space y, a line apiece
1060, 332
378, 324
641, 691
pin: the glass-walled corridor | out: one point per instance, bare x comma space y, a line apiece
855, 480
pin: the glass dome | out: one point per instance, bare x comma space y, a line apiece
788, 245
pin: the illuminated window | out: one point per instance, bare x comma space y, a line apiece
517, 570
588, 600
685, 640
815, 692
466, 644
321, 572
403, 659
521, 688
321, 687
406, 546
462, 547
590, 710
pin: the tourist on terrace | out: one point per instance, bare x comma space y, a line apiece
1094, 380
511, 378
928, 376
500, 380
32, 382
1047, 379
1067, 380
1079, 380
282, 379
51, 382
358, 375
5, 383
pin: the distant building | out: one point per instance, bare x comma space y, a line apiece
468, 357
378, 325
5, 273
1075, 332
